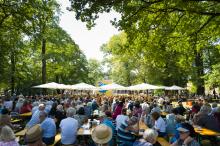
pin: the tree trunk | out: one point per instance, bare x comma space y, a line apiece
57, 81
199, 73
12, 72
44, 64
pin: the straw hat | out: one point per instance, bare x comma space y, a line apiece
101, 134
33, 134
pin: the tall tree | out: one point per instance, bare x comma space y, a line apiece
185, 27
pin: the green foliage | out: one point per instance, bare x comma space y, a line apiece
23, 26
95, 71
170, 41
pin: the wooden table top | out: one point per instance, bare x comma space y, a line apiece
26, 114
142, 125
161, 140
81, 131
21, 133
205, 131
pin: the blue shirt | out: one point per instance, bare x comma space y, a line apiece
124, 135
34, 119
109, 123
49, 128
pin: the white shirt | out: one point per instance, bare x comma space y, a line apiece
160, 125
120, 119
69, 127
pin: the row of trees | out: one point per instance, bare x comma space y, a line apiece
35, 50
163, 41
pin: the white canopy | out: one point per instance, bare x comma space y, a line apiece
144, 86
174, 87
83, 86
51, 85
112, 86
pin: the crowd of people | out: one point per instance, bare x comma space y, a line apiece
119, 119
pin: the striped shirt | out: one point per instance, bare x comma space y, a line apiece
124, 135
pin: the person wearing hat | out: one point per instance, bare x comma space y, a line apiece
126, 132
187, 134
33, 136
7, 137
101, 135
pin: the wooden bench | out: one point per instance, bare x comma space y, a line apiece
163, 141
57, 139
15, 121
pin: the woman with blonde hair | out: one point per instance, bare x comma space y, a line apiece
7, 137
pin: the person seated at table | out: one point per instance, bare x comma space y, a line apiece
217, 115
35, 106
26, 107
80, 116
19, 104
181, 110
68, 128
5, 119
214, 108
33, 136
159, 124
7, 137
121, 118
48, 127
179, 120
117, 110
187, 135
126, 132
53, 110
104, 107
168, 107
204, 119
195, 109
149, 138
35, 116
101, 135
88, 109
137, 110
95, 105
108, 122
59, 115
171, 123
155, 108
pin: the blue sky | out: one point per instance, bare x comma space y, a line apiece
89, 41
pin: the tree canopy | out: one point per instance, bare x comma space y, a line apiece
172, 38
34, 49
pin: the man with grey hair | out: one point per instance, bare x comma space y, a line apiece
69, 128
35, 116
204, 119
48, 128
